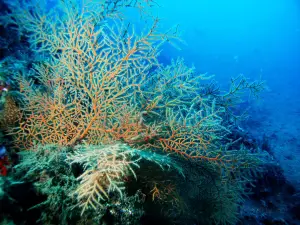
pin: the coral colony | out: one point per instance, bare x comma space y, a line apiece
104, 130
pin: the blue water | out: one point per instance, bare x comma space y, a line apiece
231, 37
255, 38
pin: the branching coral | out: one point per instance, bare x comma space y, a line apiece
94, 71
105, 169
46, 167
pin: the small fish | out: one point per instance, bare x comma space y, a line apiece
236, 58
5, 86
3, 161
2, 151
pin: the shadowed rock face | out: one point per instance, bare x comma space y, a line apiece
274, 200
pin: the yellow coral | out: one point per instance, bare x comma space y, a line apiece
10, 114
86, 90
